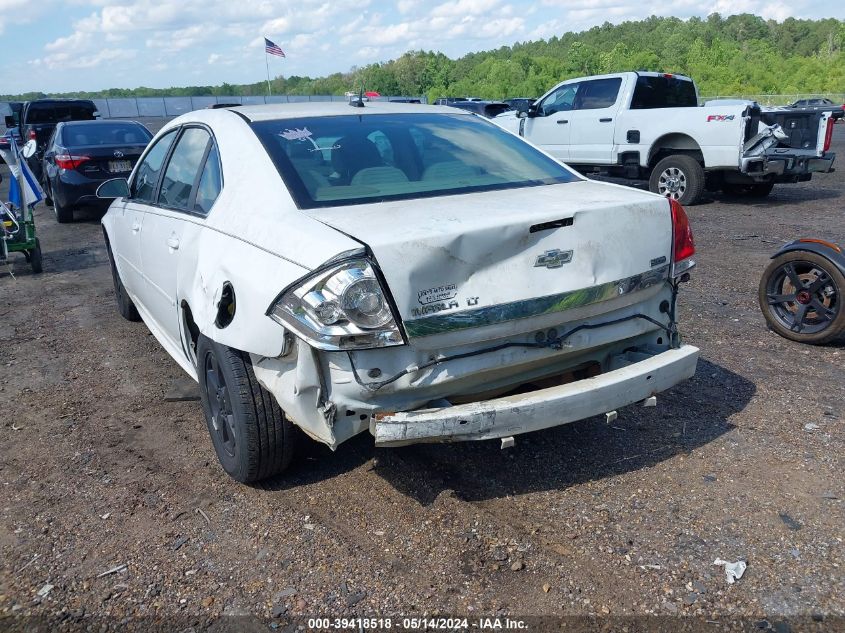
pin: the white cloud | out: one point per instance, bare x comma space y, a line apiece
406, 6
70, 60
464, 7
159, 42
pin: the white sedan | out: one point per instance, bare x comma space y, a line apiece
412, 271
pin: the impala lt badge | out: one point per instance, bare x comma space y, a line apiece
554, 258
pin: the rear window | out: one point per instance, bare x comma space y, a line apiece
344, 160
663, 92
106, 133
56, 112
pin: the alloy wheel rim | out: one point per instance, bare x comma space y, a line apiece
802, 297
672, 183
220, 405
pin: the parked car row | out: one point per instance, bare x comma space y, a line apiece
423, 274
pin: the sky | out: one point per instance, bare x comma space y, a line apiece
67, 45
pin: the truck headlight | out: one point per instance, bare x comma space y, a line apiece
337, 308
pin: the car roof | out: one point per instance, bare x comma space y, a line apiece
275, 111
58, 100
98, 122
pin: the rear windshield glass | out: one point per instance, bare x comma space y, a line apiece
663, 92
341, 160
105, 133
56, 112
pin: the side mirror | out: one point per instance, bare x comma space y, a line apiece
532, 110
114, 188
29, 149
10, 121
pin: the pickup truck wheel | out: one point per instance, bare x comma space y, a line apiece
800, 295
678, 177
758, 190
252, 436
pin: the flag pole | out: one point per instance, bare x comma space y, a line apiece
267, 64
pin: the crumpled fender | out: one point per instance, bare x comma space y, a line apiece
256, 277
819, 247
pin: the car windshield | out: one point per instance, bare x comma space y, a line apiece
54, 112
105, 133
343, 160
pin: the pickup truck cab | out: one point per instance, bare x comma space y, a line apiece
38, 119
642, 125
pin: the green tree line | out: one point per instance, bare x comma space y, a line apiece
740, 54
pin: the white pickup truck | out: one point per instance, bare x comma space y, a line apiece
641, 125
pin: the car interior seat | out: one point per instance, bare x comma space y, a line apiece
351, 155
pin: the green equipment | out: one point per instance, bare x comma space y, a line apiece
17, 235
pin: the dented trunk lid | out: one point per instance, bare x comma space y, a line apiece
466, 262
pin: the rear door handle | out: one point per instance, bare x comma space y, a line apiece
605, 120
173, 242
562, 121
136, 226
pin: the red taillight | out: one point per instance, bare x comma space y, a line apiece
828, 135
32, 135
684, 247
69, 161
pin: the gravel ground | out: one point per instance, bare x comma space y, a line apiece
113, 504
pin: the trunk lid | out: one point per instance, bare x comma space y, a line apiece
468, 261
107, 161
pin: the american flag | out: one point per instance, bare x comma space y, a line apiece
272, 48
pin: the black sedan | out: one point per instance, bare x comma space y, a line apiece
83, 154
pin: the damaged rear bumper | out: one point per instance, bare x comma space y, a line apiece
786, 167
635, 376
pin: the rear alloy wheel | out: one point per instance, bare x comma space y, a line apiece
801, 297
678, 177
252, 436
757, 190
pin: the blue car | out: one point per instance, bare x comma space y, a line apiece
81, 155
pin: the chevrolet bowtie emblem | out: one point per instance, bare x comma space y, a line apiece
554, 258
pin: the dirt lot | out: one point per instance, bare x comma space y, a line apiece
745, 461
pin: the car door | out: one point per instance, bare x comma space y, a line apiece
550, 125
170, 224
127, 215
592, 123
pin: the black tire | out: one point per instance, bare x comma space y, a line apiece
252, 436
757, 190
48, 193
125, 306
63, 214
35, 258
678, 176
801, 298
